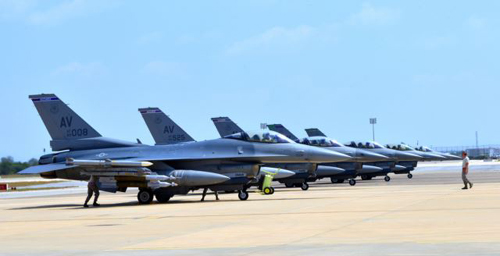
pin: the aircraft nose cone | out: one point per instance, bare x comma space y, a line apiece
320, 155
367, 156
405, 156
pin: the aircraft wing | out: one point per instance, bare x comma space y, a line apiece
45, 168
242, 157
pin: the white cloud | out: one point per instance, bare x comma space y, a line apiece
68, 10
475, 23
11, 9
38, 12
277, 36
371, 15
153, 37
77, 68
164, 68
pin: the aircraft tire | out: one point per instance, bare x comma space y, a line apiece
304, 186
365, 177
289, 185
387, 178
242, 195
352, 182
333, 180
410, 175
145, 196
162, 196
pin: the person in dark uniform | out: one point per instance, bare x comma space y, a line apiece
92, 189
205, 193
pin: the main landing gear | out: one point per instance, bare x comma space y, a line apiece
303, 186
335, 180
145, 196
366, 177
387, 178
243, 195
352, 182
410, 175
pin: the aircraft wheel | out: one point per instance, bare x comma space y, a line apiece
364, 177
162, 197
272, 190
387, 178
333, 180
242, 195
352, 182
410, 175
304, 186
145, 196
267, 191
289, 185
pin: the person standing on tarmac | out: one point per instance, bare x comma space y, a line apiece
92, 189
465, 170
205, 193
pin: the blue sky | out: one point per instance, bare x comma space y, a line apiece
428, 70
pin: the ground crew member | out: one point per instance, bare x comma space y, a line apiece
92, 189
205, 193
465, 170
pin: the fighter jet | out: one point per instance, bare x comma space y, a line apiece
426, 156
165, 131
303, 173
400, 162
446, 155
410, 166
350, 169
160, 171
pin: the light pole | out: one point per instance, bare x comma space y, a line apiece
373, 121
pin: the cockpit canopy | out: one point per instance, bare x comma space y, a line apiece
367, 145
401, 147
424, 149
262, 136
320, 142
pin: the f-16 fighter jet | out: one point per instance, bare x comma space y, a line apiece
349, 169
426, 156
161, 170
446, 155
303, 173
165, 131
399, 162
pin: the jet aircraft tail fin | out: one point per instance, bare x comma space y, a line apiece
225, 126
60, 120
283, 130
163, 129
311, 132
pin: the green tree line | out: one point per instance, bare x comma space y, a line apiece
9, 166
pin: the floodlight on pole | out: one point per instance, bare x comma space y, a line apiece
373, 121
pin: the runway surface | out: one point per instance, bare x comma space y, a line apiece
427, 215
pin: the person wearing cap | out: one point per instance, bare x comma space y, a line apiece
465, 170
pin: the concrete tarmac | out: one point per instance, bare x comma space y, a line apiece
427, 215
